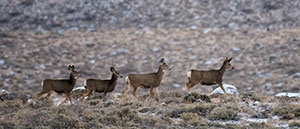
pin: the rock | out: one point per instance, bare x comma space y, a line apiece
270, 92
2, 91
206, 30
122, 50
235, 49
193, 27
79, 89
92, 61
155, 49
163, 104
90, 29
60, 32
268, 85
42, 67
2, 62
117, 94
112, 53
279, 84
143, 57
176, 85
74, 29
297, 75
287, 94
230, 89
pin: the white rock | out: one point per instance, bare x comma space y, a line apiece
81, 88
176, 85
206, 30
2, 91
230, 89
2, 62
163, 104
117, 94
287, 94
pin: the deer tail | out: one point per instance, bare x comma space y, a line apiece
189, 75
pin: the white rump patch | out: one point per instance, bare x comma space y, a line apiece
127, 80
189, 74
42, 83
84, 83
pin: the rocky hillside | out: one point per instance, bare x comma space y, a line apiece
89, 15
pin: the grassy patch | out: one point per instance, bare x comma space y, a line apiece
195, 97
287, 112
294, 124
224, 113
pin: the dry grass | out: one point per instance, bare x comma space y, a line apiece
129, 113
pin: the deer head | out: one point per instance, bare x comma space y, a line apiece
164, 65
74, 73
116, 73
227, 63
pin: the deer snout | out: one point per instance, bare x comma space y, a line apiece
121, 76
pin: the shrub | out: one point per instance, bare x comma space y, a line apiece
294, 124
192, 119
203, 109
224, 113
193, 97
287, 112
64, 122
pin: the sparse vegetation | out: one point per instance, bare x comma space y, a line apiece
288, 111
224, 113
39, 38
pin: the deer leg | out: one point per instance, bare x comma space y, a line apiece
84, 93
221, 85
151, 93
157, 91
68, 95
39, 95
90, 94
64, 100
134, 93
125, 90
48, 95
111, 95
104, 95
190, 84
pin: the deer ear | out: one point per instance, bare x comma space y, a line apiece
226, 59
162, 60
70, 67
112, 69
229, 59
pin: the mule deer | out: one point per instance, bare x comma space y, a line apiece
106, 86
210, 77
60, 85
150, 80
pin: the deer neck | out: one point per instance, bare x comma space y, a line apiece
160, 73
222, 69
72, 79
113, 79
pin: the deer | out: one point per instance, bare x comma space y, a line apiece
149, 80
98, 85
60, 85
210, 77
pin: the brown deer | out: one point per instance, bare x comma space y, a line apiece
60, 85
106, 86
210, 77
150, 80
